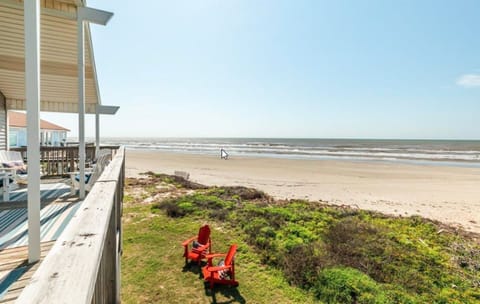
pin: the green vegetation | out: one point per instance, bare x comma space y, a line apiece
291, 251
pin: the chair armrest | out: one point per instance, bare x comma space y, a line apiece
185, 243
87, 171
218, 268
13, 171
201, 248
215, 255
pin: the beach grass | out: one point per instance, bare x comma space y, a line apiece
154, 271
289, 251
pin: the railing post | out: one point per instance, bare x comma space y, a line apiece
118, 228
110, 283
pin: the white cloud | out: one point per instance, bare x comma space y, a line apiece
469, 80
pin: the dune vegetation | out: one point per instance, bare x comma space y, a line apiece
289, 251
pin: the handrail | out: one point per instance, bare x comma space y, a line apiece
84, 264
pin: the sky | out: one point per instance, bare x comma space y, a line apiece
273, 68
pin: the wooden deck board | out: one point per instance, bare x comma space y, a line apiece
54, 218
46, 202
12, 258
15, 272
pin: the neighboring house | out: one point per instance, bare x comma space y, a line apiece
50, 133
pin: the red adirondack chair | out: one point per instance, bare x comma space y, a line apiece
200, 245
221, 274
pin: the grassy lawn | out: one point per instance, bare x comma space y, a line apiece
154, 271
289, 252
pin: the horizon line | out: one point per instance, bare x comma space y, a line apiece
244, 137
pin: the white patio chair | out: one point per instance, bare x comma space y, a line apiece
91, 175
12, 161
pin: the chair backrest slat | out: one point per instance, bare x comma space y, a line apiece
102, 161
230, 255
203, 234
9, 156
3, 156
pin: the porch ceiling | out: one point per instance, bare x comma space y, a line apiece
58, 53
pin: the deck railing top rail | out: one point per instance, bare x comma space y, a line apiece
83, 265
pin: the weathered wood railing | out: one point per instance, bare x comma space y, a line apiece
58, 161
84, 264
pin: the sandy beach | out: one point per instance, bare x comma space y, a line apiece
447, 194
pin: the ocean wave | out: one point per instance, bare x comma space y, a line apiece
434, 151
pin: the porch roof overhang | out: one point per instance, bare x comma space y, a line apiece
58, 53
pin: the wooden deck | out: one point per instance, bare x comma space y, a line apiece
87, 272
57, 209
83, 265
49, 190
14, 267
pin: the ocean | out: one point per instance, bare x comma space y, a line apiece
434, 152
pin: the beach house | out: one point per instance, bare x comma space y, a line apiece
50, 134
47, 64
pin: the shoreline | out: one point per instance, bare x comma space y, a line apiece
400, 161
447, 194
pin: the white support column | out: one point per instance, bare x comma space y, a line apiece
84, 14
97, 132
81, 105
32, 93
7, 135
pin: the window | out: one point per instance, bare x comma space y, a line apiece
12, 138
